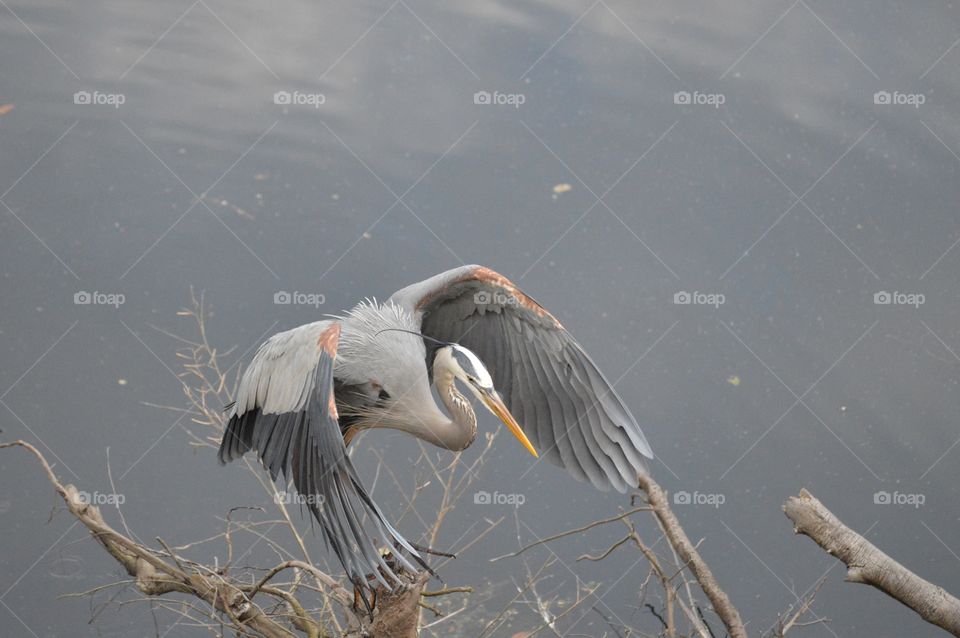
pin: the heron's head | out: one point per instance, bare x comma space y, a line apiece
467, 367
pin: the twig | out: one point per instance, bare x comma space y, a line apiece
448, 590
171, 554
338, 591
570, 532
605, 553
520, 592
113, 490
666, 582
804, 607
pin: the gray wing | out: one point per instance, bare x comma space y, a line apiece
286, 411
565, 405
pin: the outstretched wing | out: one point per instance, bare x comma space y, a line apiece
285, 410
565, 405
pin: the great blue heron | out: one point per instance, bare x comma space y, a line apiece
310, 390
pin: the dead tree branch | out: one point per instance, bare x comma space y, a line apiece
156, 577
691, 557
869, 565
571, 532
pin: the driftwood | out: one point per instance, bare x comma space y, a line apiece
869, 565
158, 573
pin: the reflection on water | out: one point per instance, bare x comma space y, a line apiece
737, 153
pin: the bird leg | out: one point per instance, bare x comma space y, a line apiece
360, 600
359, 596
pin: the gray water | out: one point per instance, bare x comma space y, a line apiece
783, 190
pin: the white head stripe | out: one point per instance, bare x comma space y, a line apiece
478, 369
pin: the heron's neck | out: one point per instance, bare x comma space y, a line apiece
461, 430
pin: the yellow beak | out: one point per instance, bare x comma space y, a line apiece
496, 405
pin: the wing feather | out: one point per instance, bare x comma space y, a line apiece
285, 410
565, 405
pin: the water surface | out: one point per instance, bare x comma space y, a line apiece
797, 199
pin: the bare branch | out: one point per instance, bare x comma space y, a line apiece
156, 577
869, 565
448, 590
570, 532
803, 606
341, 594
690, 556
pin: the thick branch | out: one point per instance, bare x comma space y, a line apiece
869, 565
155, 576
396, 614
689, 555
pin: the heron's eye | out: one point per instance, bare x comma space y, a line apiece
384, 395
